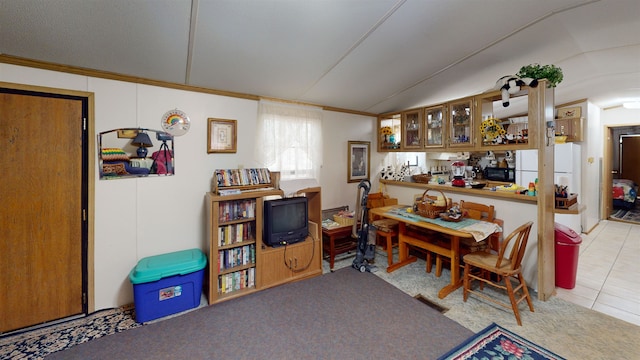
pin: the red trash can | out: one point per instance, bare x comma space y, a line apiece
567, 249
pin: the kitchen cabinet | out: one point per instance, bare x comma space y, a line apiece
461, 117
475, 123
389, 132
435, 118
572, 128
412, 129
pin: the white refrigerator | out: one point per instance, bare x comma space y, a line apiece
567, 171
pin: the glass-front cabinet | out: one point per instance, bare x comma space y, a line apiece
502, 126
435, 119
412, 129
390, 132
461, 123
475, 123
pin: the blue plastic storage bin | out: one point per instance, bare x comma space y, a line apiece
167, 284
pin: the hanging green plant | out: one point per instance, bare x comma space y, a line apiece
536, 71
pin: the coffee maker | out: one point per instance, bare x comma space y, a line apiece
457, 170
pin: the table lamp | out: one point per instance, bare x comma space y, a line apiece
143, 141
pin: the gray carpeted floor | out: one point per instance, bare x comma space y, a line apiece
342, 315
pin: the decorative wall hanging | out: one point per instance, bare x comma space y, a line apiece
222, 136
358, 161
175, 122
570, 112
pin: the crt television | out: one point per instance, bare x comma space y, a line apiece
285, 221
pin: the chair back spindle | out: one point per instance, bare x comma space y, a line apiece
521, 236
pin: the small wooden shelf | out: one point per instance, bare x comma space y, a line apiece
573, 209
236, 268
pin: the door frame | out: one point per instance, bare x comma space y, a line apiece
607, 177
607, 167
88, 178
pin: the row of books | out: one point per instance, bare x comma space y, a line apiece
235, 233
238, 209
236, 280
242, 177
239, 256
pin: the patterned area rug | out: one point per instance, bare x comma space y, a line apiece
37, 344
495, 342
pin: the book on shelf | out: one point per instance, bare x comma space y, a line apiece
242, 177
237, 210
235, 233
240, 256
236, 280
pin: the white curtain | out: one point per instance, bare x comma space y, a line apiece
289, 139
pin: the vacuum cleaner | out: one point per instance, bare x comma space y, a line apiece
366, 251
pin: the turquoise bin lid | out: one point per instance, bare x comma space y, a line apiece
154, 268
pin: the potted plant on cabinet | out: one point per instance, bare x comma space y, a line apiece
536, 71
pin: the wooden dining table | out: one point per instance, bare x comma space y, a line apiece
407, 238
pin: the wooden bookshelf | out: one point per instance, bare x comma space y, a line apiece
239, 262
234, 231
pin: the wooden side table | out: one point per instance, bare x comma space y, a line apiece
337, 241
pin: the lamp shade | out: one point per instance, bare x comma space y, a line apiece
142, 140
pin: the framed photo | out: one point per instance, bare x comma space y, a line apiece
222, 136
358, 163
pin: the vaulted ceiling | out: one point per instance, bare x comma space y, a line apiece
374, 56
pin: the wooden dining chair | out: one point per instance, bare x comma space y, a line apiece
475, 211
507, 267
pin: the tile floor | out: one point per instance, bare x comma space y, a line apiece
608, 278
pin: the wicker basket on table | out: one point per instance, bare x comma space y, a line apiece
343, 220
421, 178
426, 207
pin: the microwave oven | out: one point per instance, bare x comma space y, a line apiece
500, 174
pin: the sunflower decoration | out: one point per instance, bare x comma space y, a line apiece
491, 129
386, 131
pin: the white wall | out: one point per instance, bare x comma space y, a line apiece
141, 217
620, 116
337, 130
592, 168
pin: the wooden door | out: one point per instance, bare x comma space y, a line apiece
629, 150
42, 232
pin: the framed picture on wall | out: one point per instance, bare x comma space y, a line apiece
222, 136
358, 160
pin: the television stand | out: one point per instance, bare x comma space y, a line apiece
260, 266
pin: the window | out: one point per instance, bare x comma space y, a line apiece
289, 139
